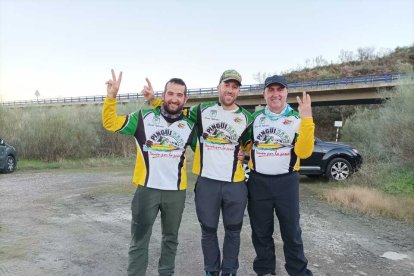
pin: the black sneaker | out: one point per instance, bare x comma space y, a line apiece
228, 274
212, 273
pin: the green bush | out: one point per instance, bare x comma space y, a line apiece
385, 138
385, 134
68, 132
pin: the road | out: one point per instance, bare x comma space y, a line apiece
77, 222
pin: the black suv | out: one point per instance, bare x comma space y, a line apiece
8, 157
336, 161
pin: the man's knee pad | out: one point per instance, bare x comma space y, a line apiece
234, 227
208, 230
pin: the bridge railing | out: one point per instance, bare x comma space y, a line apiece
352, 80
370, 79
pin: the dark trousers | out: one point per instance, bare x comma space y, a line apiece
211, 197
269, 195
146, 204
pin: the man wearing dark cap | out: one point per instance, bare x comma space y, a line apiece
220, 186
278, 138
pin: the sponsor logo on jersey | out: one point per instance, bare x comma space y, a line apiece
262, 120
271, 139
238, 120
213, 113
164, 140
156, 120
219, 133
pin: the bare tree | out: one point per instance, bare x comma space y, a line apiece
346, 56
308, 63
366, 53
383, 52
260, 77
319, 61
37, 94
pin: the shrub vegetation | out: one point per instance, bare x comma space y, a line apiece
69, 132
385, 138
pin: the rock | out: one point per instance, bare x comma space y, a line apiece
394, 256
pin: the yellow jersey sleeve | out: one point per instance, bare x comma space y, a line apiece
156, 102
306, 139
110, 119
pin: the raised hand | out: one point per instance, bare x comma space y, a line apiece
148, 91
112, 86
305, 108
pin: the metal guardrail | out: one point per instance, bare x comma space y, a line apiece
370, 79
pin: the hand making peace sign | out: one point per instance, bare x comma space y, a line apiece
148, 91
112, 86
305, 108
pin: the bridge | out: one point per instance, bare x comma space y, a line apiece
352, 90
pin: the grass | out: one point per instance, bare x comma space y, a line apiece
400, 181
69, 132
373, 202
355, 194
390, 178
365, 200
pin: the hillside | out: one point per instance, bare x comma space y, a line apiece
364, 62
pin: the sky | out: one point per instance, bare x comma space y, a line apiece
66, 48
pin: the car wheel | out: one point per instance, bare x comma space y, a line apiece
10, 164
246, 171
339, 169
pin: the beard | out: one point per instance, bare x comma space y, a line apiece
225, 102
176, 111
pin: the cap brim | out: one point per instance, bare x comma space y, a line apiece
275, 82
229, 79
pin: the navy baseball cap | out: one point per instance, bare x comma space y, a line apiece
276, 80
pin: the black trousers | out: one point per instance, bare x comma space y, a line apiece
229, 198
269, 195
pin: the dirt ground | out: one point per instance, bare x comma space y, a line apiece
77, 222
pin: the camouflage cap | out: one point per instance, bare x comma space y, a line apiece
231, 74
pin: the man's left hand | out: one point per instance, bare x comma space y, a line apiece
305, 108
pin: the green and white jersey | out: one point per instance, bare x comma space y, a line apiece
219, 136
160, 161
275, 144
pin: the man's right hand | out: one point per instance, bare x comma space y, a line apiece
112, 86
148, 91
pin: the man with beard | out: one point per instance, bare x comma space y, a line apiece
220, 186
162, 135
279, 138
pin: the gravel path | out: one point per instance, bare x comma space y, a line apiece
76, 222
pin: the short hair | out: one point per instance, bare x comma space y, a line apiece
176, 81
